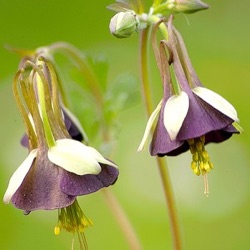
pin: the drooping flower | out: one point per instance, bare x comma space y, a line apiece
58, 168
189, 115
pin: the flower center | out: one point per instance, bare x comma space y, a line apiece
201, 163
72, 219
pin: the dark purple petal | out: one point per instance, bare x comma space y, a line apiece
75, 185
220, 135
201, 119
40, 188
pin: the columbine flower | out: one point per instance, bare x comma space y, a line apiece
189, 115
58, 168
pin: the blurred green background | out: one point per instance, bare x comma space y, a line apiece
218, 42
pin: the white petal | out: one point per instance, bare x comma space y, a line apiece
217, 101
100, 158
19, 175
74, 157
175, 112
150, 123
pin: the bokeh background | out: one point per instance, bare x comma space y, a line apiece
218, 42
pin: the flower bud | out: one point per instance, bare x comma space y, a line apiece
123, 24
186, 6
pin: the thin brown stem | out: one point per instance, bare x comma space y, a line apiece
169, 196
122, 220
162, 165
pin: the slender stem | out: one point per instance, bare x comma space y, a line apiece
162, 165
169, 196
122, 220
144, 71
116, 208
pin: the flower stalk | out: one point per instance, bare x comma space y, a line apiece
162, 165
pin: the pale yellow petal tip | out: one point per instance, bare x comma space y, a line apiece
143, 142
141, 147
99, 158
149, 127
238, 127
6, 198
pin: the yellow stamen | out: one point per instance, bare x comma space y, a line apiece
72, 219
200, 159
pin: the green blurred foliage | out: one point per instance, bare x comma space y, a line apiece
218, 43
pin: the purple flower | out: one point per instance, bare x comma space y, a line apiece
58, 167
53, 178
189, 116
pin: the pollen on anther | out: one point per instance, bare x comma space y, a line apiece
57, 230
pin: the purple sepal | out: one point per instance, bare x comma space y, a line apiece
40, 188
75, 185
201, 119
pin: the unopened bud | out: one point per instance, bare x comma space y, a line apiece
123, 24
186, 6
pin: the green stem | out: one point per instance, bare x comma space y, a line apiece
144, 71
169, 196
116, 208
162, 165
